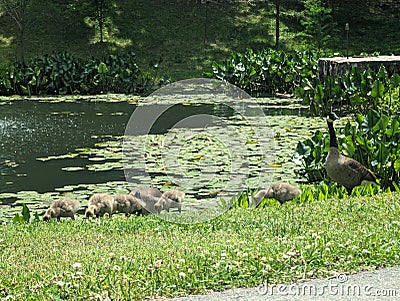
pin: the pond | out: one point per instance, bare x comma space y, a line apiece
30, 130
51, 147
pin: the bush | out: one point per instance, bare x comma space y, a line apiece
275, 71
266, 72
62, 73
360, 90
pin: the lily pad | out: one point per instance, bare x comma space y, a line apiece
73, 168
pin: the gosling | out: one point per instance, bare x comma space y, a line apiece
128, 204
170, 199
149, 196
280, 191
64, 207
99, 205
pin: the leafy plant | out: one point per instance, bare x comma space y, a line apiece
62, 73
310, 155
360, 90
25, 217
373, 140
266, 72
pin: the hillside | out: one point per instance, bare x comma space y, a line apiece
189, 35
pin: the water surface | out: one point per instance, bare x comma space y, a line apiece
33, 131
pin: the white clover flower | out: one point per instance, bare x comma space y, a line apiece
182, 274
77, 266
59, 283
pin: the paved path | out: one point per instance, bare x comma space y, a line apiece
382, 284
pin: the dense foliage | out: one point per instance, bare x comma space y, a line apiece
318, 23
373, 140
360, 90
274, 71
267, 71
62, 73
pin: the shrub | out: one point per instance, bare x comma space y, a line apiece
360, 90
62, 73
267, 71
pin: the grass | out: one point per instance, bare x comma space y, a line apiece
146, 257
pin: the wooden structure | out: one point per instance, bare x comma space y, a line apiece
338, 66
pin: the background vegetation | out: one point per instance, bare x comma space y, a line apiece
162, 30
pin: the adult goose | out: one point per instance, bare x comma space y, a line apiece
341, 169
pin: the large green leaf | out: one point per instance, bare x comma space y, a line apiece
26, 214
382, 154
302, 149
377, 89
396, 165
382, 124
102, 69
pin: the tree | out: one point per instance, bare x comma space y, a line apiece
98, 13
318, 22
17, 10
100, 9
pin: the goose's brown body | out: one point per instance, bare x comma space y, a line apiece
127, 203
170, 199
280, 191
64, 207
341, 169
149, 196
100, 204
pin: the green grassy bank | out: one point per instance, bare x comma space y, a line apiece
142, 257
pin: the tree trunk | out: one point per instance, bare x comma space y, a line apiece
277, 23
22, 43
101, 20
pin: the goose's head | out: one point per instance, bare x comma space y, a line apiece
49, 214
332, 117
90, 211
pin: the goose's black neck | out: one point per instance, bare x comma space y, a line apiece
332, 135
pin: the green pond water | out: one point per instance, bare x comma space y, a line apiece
58, 146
